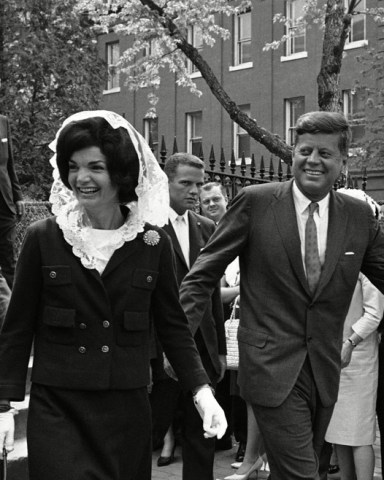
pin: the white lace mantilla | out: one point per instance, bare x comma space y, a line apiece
88, 247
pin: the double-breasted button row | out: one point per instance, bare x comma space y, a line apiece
106, 324
104, 349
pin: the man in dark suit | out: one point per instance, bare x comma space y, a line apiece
189, 233
301, 247
11, 205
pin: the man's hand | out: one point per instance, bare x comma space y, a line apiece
214, 421
20, 208
346, 354
223, 364
168, 368
7, 431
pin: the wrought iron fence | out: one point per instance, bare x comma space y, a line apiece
234, 175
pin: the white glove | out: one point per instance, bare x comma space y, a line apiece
214, 421
7, 431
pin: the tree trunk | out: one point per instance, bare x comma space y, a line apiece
337, 24
272, 142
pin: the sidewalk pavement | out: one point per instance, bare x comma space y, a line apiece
223, 460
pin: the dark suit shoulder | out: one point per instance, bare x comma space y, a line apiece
203, 220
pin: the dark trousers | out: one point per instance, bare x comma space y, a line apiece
380, 399
7, 242
198, 453
294, 432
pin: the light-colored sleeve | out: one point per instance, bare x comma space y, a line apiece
373, 306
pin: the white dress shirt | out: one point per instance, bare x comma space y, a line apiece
180, 224
320, 216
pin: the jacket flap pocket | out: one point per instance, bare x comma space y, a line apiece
251, 337
56, 274
59, 317
136, 321
143, 278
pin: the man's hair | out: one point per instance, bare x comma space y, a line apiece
325, 122
207, 187
172, 163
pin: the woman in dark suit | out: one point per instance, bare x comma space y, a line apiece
90, 282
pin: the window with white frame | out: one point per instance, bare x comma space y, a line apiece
195, 38
354, 110
113, 56
294, 107
194, 133
357, 31
241, 138
296, 42
151, 133
242, 38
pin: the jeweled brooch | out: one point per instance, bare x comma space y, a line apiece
151, 237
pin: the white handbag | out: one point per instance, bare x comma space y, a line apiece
231, 326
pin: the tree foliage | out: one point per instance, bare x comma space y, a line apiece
163, 25
49, 69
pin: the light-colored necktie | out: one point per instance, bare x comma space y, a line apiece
183, 236
312, 258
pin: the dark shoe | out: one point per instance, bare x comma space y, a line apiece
240, 452
164, 461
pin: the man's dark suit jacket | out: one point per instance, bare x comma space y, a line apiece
9, 184
281, 322
72, 314
211, 323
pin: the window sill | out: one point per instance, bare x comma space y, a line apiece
359, 44
195, 75
111, 90
242, 66
294, 56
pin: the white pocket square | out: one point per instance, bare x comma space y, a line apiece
4, 140
349, 253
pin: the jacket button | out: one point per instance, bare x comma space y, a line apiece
83, 326
149, 279
82, 349
52, 274
106, 324
105, 349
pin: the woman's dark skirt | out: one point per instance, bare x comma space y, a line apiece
89, 435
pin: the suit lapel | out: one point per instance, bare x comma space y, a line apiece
175, 242
195, 239
286, 221
337, 227
126, 250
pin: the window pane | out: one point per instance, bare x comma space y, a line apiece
297, 33
244, 146
196, 147
245, 26
196, 125
245, 52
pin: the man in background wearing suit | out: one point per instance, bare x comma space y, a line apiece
189, 233
213, 201
301, 247
11, 205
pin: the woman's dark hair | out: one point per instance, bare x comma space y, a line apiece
114, 143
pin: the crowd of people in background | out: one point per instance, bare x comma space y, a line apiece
124, 292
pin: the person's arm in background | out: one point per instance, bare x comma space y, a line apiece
373, 308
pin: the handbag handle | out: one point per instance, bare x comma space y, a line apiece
234, 306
